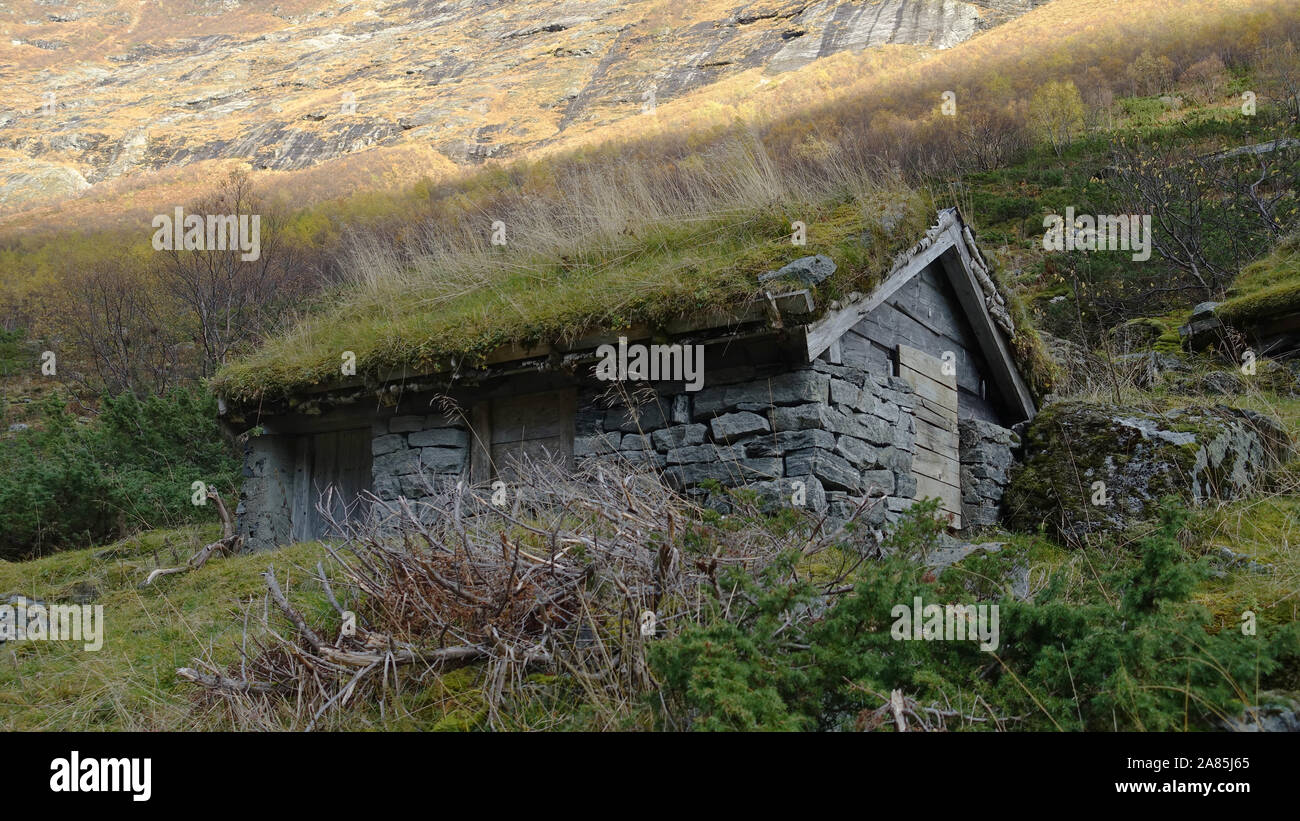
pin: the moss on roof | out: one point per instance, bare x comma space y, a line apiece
657, 274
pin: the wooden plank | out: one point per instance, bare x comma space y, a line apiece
531, 416
299, 526
928, 389
480, 457
324, 474
938, 466
508, 457
949, 497
832, 326
354, 468
834, 354
932, 414
936, 438
793, 304
926, 365
935, 409
570, 411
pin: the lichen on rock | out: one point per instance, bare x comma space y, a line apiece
1092, 468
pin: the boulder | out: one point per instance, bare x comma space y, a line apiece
1135, 335
15, 619
1094, 469
808, 270
1282, 715
1203, 327
1076, 365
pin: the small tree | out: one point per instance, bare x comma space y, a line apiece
232, 300
1206, 77
1150, 75
1056, 113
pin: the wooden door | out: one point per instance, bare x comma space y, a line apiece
333, 459
512, 430
937, 462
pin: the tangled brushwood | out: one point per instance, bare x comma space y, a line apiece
573, 575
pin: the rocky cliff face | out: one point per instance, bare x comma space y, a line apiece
98, 89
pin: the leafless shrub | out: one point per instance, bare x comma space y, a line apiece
574, 575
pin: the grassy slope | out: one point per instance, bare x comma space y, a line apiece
131, 683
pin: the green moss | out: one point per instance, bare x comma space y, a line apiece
1036, 365
665, 272
1261, 306
1266, 289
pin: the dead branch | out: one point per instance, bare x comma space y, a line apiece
228, 544
557, 580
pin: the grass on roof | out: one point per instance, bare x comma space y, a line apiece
427, 312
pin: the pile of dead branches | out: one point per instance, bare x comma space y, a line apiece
568, 573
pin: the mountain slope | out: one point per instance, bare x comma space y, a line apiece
101, 90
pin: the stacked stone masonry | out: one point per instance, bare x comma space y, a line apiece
844, 434
987, 455
413, 456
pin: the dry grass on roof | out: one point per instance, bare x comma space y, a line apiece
656, 243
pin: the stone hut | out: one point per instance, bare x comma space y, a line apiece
905, 392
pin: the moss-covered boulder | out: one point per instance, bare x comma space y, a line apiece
1091, 468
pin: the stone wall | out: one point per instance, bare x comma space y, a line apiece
413, 455
838, 433
843, 433
987, 455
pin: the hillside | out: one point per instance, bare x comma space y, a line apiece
106, 91
503, 186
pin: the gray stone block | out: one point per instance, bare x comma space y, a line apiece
904, 485
895, 459
726, 472
642, 419
599, 445
798, 417
439, 437
443, 460
679, 436
397, 463
781, 443
386, 486
732, 426
681, 409
635, 441
845, 393
807, 270
778, 494
833, 471
875, 430
876, 482
416, 485
705, 453
387, 443
856, 452
795, 387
